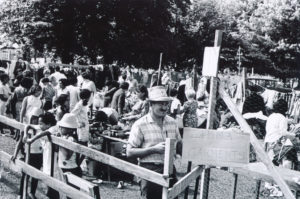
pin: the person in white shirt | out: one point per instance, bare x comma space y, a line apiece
175, 104
89, 85
277, 126
73, 93
57, 75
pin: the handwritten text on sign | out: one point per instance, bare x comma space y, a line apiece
219, 148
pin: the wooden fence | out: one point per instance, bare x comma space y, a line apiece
256, 170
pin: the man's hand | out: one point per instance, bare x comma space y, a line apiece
159, 148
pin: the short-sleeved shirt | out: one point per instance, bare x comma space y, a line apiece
36, 146
145, 133
89, 85
276, 127
63, 161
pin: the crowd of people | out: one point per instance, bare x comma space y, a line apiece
67, 103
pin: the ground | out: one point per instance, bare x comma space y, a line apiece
220, 183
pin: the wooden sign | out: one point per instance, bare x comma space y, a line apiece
218, 148
210, 61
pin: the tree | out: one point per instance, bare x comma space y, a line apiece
128, 31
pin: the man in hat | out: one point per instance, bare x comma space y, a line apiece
147, 139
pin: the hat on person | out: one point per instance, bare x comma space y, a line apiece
68, 121
158, 94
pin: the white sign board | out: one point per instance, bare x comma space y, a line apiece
219, 148
210, 61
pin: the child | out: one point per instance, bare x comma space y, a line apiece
66, 158
190, 110
36, 151
175, 105
81, 112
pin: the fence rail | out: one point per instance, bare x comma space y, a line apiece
257, 171
48, 180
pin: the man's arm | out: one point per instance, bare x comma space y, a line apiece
133, 152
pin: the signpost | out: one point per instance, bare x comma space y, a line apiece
210, 117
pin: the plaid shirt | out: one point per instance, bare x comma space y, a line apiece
145, 133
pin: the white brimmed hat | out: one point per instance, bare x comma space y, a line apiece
158, 94
69, 120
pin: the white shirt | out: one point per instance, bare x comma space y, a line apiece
36, 146
57, 76
276, 127
174, 104
74, 95
81, 113
90, 85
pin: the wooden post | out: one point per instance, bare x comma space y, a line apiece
233, 192
244, 80
159, 69
25, 185
168, 163
209, 125
257, 189
196, 187
186, 191
194, 78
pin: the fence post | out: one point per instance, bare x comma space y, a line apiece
168, 163
27, 152
186, 191
257, 189
233, 192
196, 187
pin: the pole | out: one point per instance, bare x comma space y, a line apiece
209, 125
159, 69
239, 54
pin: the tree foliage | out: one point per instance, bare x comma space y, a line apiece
134, 32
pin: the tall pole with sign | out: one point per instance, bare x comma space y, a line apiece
210, 68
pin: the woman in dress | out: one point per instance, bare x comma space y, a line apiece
31, 101
18, 96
